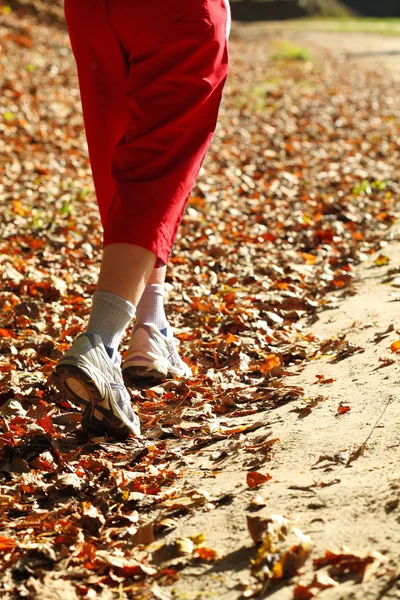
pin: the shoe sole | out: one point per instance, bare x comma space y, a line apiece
98, 415
139, 374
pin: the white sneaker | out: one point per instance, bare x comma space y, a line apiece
153, 355
87, 376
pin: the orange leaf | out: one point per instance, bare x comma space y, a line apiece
17, 208
7, 543
343, 409
346, 562
321, 379
47, 425
270, 362
6, 333
395, 347
342, 280
255, 478
206, 553
199, 305
87, 550
310, 259
6, 368
231, 338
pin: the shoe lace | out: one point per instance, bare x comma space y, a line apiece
175, 341
117, 360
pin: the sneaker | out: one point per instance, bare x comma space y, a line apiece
152, 355
87, 376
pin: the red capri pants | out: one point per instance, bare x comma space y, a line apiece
151, 75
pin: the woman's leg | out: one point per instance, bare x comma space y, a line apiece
178, 67
103, 73
151, 306
89, 374
125, 270
151, 76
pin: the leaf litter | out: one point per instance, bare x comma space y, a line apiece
298, 188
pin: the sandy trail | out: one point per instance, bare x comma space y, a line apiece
359, 507
365, 49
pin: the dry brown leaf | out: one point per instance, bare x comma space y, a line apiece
144, 535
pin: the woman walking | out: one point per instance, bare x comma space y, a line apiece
151, 76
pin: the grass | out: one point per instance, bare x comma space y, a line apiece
288, 51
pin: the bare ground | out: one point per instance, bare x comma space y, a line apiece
360, 507
366, 50
339, 502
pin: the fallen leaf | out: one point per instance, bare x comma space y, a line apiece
382, 260
92, 519
276, 526
321, 379
258, 501
345, 562
320, 582
271, 561
385, 362
207, 554
395, 347
254, 478
271, 361
198, 538
293, 559
144, 535
7, 543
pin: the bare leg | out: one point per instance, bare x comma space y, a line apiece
158, 275
125, 271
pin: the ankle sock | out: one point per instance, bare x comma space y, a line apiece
109, 318
151, 307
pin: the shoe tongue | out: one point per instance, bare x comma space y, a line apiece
113, 354
167, 331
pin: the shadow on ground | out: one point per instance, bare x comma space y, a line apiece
373, 53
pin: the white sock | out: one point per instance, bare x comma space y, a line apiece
151, 307
109, 318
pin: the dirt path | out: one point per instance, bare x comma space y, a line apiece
344, 493
359, 506
366, 49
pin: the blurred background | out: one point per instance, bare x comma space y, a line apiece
250, 10
254, 10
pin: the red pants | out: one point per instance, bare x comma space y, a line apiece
151, 75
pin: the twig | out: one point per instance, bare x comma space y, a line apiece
360, 450
357, 453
